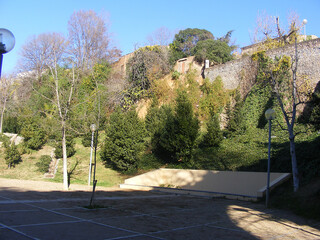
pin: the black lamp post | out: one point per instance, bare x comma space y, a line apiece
270, 115
7, 42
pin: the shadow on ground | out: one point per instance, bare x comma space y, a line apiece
122, 214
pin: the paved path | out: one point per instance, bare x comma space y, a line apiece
38, 210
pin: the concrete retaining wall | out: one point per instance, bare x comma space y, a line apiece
223, 183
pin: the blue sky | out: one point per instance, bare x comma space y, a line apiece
133, 20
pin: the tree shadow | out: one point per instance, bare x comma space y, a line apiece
308, 108
139, 214
72, 172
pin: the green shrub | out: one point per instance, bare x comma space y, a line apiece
250, 112
213, 136
175, 75
215, 97
34, 136
12, 155
124, 141
87, 138
149, 161
4, 138
184, 42
11, 125
44, 163
214, 50
147, 64
156, 118
70, 148
315, 114
177, 139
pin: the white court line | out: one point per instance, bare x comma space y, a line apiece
17, 231
138, 214
9, 201
229, 229
183, 228
45, 224
5, 198
13, 211
28, 203
86, 220
131, 236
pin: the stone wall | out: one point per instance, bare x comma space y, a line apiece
121, 65
242, 72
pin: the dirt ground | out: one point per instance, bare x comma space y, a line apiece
41, 210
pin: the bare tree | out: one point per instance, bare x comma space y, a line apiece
268, 27
290, 92
89, 39
63, 98
161, 36
265, 27
37, 51
51, 48
7, 88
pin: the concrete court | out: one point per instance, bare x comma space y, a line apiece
27, 211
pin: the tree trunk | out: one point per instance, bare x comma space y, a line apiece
294, 165
1, 120
290, 127
64, 154
2, 112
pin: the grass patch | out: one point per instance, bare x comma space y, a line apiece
305, 202
78, 167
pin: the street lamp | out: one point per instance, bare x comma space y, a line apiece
270, 115
93, 128
7, 42
304, 22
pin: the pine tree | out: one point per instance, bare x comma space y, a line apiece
124, 142
12, 155
180, 132
214, 136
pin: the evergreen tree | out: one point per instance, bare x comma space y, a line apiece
214, 50
156, 118
69, 146
44, 163
177, 140
213, 136
12, 155
124, 142
34, 136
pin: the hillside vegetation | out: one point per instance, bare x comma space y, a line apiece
151, 114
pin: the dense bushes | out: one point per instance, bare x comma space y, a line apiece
177, 139
146, 65
44, 163
213, 136
87, 138
11, 124
215, 97
34, 136
185, 41
70, 148
315, 114
12, 155
156, 118
201, 44
124, 142
214, 50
